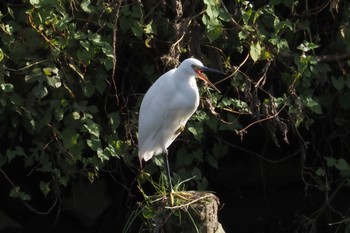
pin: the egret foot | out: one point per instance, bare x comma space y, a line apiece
186, 196
171, 198
181, 197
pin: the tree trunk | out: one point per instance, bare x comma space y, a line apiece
193, 212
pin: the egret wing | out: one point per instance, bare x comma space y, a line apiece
154, 117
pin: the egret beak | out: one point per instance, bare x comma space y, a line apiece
205, 78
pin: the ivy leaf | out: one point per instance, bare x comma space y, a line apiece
1, 55
86, 6
96, 39
320, 172
44, 187
18, 151
40, 91
114, 120
85, 44
69, 137
35, 2
313, 105
7, 87
54, 81
342, 165
307, 46
338, 83
330, 161
255, 51
94, 143
193, 130
93, 128
16, 192
214, 33
137, 29
212, 161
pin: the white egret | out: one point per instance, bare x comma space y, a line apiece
166, 107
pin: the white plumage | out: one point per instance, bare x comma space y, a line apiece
167, 106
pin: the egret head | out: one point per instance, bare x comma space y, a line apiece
195, 67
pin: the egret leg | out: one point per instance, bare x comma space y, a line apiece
166, 160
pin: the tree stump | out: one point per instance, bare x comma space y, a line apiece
193, 212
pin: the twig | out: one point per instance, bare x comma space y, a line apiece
188, 203
261, 120
26, 204
116, 5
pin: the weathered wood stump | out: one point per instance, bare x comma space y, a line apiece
192, 212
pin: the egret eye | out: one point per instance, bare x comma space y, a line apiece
193, 66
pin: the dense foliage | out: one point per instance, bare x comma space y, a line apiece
73, 74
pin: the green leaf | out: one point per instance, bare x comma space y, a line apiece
88, 89
85, 44
96, 39
102, 155
107, 49
114, 120
69, 137
193, 130
212, 161
94, 143
214, 33
47, 167
330, 161
54, 81
7, 87
18, 151
342, 165
307, 46
100, 83
338, 83
35, 2
147, 213
242, 35
255, 51
59, 114
44, 187
320, 172
40, 91
87, 7
76, 115
1, 55
121, 146
313, 105
137, 29
93, 128
111, 151
17, 193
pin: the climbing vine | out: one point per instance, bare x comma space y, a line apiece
73, 73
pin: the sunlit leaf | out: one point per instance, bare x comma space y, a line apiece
7, 87
255, 51
1, 55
